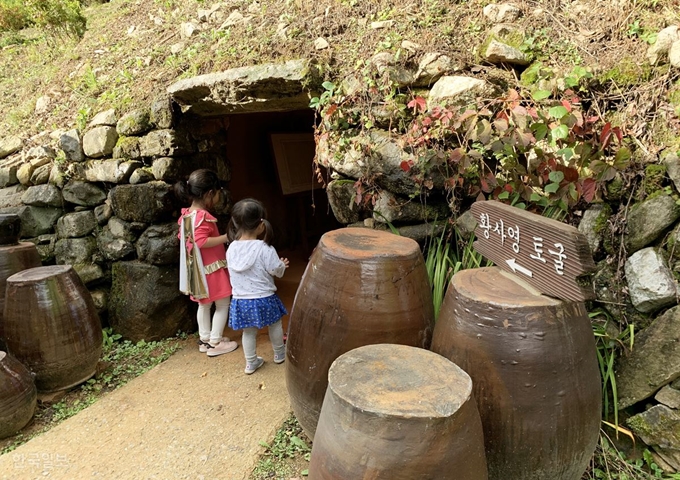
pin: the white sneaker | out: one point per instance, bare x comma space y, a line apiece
203, 347
225, 346
251, 367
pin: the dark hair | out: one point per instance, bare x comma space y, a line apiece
200, 182
246, 216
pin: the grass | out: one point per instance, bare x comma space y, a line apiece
445, 256
610, 463
286, 456
610, 343
135, 38
121, 361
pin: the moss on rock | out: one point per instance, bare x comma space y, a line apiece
654, 178
127, 147
615, 188
627, 73
535, 72
601, 220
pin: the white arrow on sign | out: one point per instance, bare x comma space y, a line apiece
516, 267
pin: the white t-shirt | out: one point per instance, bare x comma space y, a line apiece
252, 266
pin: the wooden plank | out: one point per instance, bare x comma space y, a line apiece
553, 257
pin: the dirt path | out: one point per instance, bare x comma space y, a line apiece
192, 417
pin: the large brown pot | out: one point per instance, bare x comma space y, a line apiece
52, 326
534, 370
360, 287
393, 412
14, 259
17, 395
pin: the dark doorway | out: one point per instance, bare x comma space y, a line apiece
299, 219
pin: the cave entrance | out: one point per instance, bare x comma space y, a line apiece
271, 159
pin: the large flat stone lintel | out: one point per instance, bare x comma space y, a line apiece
259, 88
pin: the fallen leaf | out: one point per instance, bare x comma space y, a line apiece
261, 386
204, 374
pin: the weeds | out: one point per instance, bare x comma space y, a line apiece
446, 255
611, 464
57, 17
289, 451
609, 342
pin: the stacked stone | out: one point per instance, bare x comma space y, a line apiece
105, 206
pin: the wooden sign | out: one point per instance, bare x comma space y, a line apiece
549, 255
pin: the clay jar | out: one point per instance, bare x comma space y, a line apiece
393, 412
18, 395
360, 287
14, 259
534, 369
52, 326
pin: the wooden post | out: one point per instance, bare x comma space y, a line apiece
551, 256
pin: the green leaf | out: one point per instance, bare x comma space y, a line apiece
560, 132
328, 85
536, 197
305, 473
572, 191
541, 94
504, 195
540, 131
556, 176
571, 82
622, 158
558, 112
552, 187
565, 153
581, 72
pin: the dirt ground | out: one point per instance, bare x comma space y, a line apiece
191, 417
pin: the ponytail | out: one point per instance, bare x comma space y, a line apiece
268, 232
200, 182
182, 192
232, 231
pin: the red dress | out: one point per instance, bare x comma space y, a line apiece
219, 285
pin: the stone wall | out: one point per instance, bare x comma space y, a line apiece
101, 200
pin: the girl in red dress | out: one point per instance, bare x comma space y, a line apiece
203, 267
